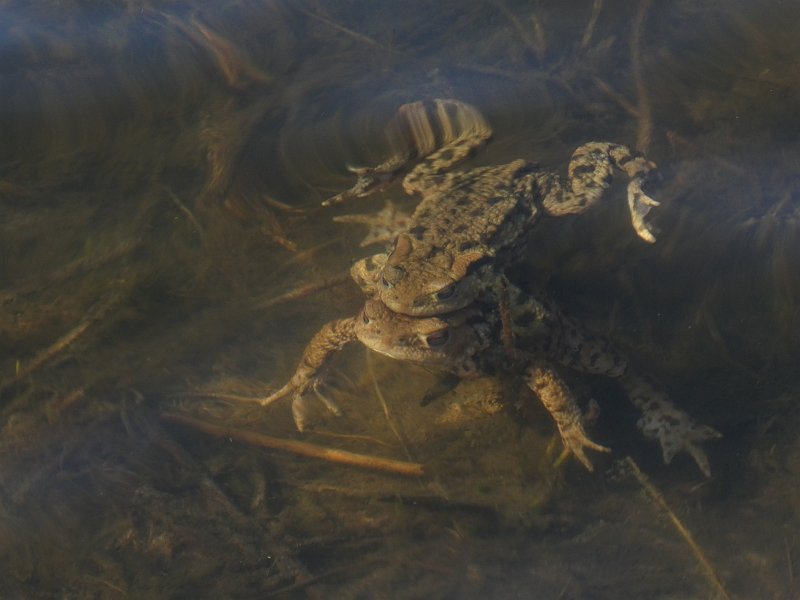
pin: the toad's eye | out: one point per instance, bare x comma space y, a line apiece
437, 339
364, 318
446, 293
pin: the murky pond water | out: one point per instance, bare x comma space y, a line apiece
165, 256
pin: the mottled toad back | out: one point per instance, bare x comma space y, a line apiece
468, 223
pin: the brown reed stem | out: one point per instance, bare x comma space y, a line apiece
299, 448
656, 496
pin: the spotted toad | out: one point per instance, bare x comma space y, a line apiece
526, 336
468, 224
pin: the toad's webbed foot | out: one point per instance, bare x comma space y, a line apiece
640, 204
308, 375
661, 420
369, 180
676, 435
558, 400
640, 171
575, 440
298, 390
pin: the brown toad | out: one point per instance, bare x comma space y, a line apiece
528, 338
469, 223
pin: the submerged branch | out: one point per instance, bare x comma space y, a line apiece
301, 292
645, 119
535, 40
354, 34
616, 97
62, 343
386, 412
597, 7
299, 448
656, 496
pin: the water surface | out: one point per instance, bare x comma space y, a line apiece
162, 169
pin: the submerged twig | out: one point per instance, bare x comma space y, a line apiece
536, 42
301, 292
86, 262
506, 333
335, 572
677, 139
207, 483
597, 7
62, 343
225, 141
617, 97
354, 34
300, 257
62, 404
306, 449
217, 396
491, 71
185, 210
706, 317
644, 133
234, 64
351, 436
389, 418
656, 496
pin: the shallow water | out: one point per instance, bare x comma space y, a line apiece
162, 240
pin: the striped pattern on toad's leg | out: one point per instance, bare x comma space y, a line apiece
445, 132
560, 403
431, 137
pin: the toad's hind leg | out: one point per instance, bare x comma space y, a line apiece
584, 351
445, 133
428, 138
589, 175
661, 420
560, 403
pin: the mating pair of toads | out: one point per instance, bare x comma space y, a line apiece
439, 296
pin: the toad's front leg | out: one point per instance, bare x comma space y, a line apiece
560, 403
589, 175
326, 342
